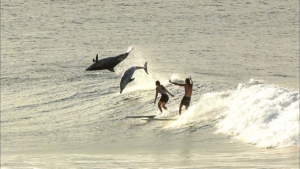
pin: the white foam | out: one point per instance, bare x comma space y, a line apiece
261, 114
205, 110
256, 113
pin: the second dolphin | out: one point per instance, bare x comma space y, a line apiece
126, 78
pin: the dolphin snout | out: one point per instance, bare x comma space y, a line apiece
90, 68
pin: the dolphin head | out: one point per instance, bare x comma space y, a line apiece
127, 78
96, 66
91, 67
123, 84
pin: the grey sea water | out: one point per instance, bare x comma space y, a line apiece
243, 57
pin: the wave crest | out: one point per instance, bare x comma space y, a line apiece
255, 113
262, 114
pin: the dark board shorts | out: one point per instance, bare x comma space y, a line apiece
186, 101
164, 98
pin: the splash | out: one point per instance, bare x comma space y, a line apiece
142, 80
206, 110
261, 114
256, 113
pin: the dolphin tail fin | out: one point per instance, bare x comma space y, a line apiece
145, 68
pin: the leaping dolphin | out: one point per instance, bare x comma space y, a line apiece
108, 63
126, 77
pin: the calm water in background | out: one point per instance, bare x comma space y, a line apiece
243, 57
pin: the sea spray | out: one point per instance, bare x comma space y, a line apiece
205, 110
262, 114
142, 80
255, 113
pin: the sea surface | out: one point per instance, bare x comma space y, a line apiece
242, 55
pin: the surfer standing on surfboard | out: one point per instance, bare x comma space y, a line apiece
164, 97
188, 86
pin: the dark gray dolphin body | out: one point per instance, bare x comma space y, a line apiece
126, 78
108, 63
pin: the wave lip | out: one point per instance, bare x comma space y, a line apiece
261, 114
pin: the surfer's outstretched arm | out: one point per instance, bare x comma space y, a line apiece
169, 92
191, 81
176, 83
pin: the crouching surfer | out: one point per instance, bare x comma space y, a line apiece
164, 97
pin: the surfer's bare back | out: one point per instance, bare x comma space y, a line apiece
188, 87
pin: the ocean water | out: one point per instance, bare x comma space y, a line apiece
243, 57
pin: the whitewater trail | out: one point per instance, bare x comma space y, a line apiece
256, 113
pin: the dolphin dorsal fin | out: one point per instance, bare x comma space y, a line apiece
111, 69
94, 60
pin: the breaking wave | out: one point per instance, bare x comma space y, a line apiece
255, 113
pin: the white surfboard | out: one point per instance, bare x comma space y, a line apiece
141, 117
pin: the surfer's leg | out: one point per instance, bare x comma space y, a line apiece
159, 106
186, 107
164, 105
180, 109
